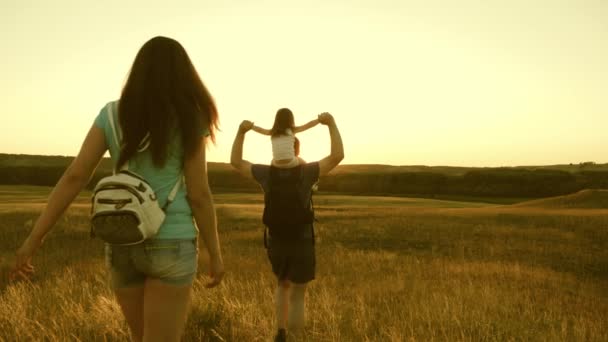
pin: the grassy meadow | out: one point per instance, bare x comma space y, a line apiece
388, 269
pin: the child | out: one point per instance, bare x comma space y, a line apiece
283, 138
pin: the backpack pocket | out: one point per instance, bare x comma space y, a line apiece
117, 227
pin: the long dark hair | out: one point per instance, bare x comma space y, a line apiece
164, 96
282, 121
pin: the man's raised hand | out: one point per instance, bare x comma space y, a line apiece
325, 118
245, 126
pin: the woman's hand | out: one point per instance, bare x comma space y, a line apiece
214, 265
23, 268
216, 272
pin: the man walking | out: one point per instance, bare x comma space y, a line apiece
289, 218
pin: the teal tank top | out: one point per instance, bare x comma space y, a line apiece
179, 223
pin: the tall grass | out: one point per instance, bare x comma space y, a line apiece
388, 270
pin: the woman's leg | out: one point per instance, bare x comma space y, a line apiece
128, 285
131, 300
165, 310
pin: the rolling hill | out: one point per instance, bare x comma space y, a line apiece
584, 199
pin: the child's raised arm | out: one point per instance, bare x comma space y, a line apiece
306, 126
261, 130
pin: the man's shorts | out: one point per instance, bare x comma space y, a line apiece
172, 261
292, 260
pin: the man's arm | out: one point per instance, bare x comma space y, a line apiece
306, 126
337, 149
236, 157
260, 130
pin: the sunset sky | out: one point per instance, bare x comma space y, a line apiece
462, 83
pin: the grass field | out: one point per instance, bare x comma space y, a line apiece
389, 269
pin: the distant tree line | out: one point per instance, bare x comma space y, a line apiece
487, 182
496, 182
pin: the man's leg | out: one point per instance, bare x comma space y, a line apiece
282, 306
282, 303
296, 307
302, 271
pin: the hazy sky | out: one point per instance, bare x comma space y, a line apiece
472, 83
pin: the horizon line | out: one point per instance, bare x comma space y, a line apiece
589, 162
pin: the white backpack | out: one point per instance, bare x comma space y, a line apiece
125, 209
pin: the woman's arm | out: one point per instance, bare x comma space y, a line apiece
261, 130
201, 202
306, 126
73, 180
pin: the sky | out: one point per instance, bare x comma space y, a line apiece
460, 83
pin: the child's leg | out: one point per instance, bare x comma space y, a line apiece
287, 164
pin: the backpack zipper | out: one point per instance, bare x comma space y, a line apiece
120, 187
114, 201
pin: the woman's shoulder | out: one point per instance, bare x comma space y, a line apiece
102, 117
110, 105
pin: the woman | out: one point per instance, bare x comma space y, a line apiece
165, 98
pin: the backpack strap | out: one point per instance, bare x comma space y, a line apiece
173, 192
145, 142
117, 134
110, 112
265, 237
312, 208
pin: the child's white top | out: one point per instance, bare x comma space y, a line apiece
282, 146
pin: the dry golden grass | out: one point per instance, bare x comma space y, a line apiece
389, 269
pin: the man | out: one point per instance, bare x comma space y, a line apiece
291, 255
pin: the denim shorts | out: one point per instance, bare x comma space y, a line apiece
174, 262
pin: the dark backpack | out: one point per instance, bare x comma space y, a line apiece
286, 211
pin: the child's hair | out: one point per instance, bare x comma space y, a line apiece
282, 121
